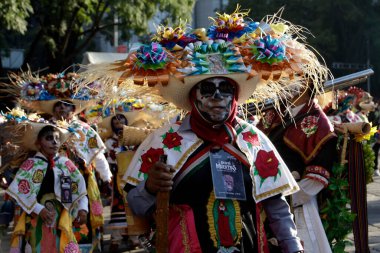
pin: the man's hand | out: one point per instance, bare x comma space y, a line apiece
81, 217
160, 178
47, 216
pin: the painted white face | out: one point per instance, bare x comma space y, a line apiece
63, 110
214, 98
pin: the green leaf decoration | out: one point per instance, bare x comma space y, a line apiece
335, 213
255, 172
262, 181
178, 149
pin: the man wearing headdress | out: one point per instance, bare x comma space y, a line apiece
209, 76
85, 151
307, 143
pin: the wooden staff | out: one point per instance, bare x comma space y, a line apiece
162, 218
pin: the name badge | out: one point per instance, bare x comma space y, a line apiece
66, 196
227, 175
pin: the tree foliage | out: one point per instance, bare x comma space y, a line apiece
345, 30
13, 14
61, 30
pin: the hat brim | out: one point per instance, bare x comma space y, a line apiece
47, 106
31, 133
132, 118
177, 91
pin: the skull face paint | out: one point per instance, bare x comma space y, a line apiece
214, 98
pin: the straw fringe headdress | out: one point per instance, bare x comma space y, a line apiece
268, 59
23, 130
40, 93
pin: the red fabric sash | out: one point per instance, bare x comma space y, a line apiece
182, 232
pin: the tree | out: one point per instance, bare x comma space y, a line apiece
62, 30
13, 14
344, 30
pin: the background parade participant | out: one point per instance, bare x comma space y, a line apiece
45, 225
307, 143
58, 97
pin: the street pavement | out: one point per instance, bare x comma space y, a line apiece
373, 200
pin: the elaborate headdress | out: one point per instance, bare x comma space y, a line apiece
41, 93
137, 113
266, 59
22, 130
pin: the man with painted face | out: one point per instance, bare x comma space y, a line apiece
86, 151
210, 143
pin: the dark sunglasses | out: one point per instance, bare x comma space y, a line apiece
208, 88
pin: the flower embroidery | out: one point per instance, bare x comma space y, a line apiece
150, 158
27, 165
23, 186
74, 187
266, 165
172, 139
70, 166
309, 125
92, 142
38, 176
96, 208
251, 138
268, 119
71, 247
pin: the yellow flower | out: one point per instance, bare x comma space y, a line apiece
17, 112
279, 28
38, 176
362, 137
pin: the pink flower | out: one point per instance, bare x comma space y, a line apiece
70, 165
27, 165
23, 186
71, 247
96, 208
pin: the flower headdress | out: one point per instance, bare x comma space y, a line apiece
40, 93
138, 113
22, 130
266, 59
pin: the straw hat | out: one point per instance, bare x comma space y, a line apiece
132, 109
266, 59
26, 127
30, 131
41, 93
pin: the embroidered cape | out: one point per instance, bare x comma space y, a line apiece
308, 135
270, 176
89, 143
27, 182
